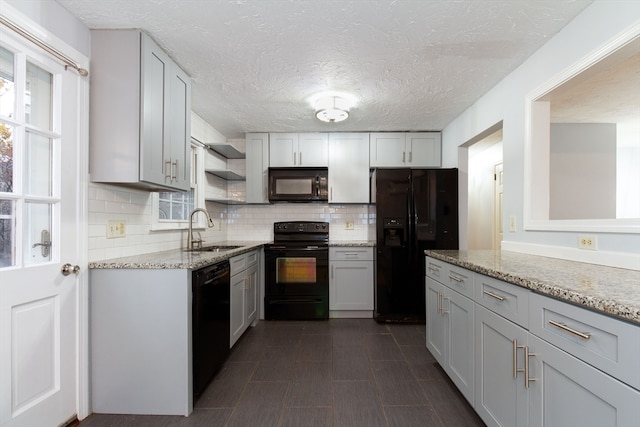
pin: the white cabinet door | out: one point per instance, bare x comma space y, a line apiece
313, 149
568, 392
351, 285
251, 301
424, 149
450, 322
435, 320
387, 149
348, 168
180, 129
154, 135
283, 149
238, 307
293, 149
405, 149
257, 167
459, 351
500, 399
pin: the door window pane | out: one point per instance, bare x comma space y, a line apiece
7, 87
38, 157
38, 97
7, 221
37, 219
6, 158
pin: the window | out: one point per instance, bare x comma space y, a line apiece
171, 209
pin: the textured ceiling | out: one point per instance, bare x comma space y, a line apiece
411, 65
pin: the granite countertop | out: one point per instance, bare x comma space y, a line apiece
358, 243
177, 258
610, 290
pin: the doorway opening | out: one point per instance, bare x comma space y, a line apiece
484, 189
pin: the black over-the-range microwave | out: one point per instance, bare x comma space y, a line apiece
298, 185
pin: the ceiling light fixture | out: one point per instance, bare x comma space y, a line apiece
332, 109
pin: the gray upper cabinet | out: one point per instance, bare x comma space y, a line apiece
298, 149
405, 149
257, 148
140, 113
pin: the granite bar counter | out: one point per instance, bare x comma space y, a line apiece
609, 290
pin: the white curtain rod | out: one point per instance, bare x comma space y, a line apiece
33, 39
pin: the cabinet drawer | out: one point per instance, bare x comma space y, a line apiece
454, 277
436, 269
351, 253
252, 258
507, 300
608, 344
238, 263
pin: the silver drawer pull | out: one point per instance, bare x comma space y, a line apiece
433, 269
496, 296
457, 279
584, 335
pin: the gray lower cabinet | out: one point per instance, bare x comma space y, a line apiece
351, 281
537, 361
140, 350
450, 334
245, 287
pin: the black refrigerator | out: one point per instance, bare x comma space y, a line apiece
416, 209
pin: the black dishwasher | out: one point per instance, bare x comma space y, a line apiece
211, 322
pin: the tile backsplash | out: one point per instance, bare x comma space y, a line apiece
236, 222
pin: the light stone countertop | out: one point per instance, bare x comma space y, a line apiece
354, 243
612, 291
177, 258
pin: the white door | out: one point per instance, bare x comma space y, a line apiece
41, 228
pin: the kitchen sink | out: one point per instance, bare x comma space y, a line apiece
213, 248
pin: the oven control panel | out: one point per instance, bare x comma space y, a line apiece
301, 227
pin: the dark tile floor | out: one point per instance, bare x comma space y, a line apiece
342, 372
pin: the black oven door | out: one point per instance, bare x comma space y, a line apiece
296, 283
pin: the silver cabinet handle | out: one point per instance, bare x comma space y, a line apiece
439, 302
515, 358
294, 158
403, 157
492, 295
174, 175
443, 299
410, 156
332, 267
67, 269
457, 279
168, 169
584, 335
433, 269
527, 355
300, 158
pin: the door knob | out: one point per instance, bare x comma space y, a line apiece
67, 269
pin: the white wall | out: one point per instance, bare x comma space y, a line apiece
596, 25
582, 171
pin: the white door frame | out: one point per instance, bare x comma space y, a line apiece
82, 146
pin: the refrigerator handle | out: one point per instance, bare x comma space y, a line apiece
410, 225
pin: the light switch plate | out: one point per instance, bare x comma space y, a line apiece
115, 228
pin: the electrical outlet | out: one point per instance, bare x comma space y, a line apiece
588, 241
348, 225
512, 223
115, 228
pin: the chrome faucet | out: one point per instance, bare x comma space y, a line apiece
190, 240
